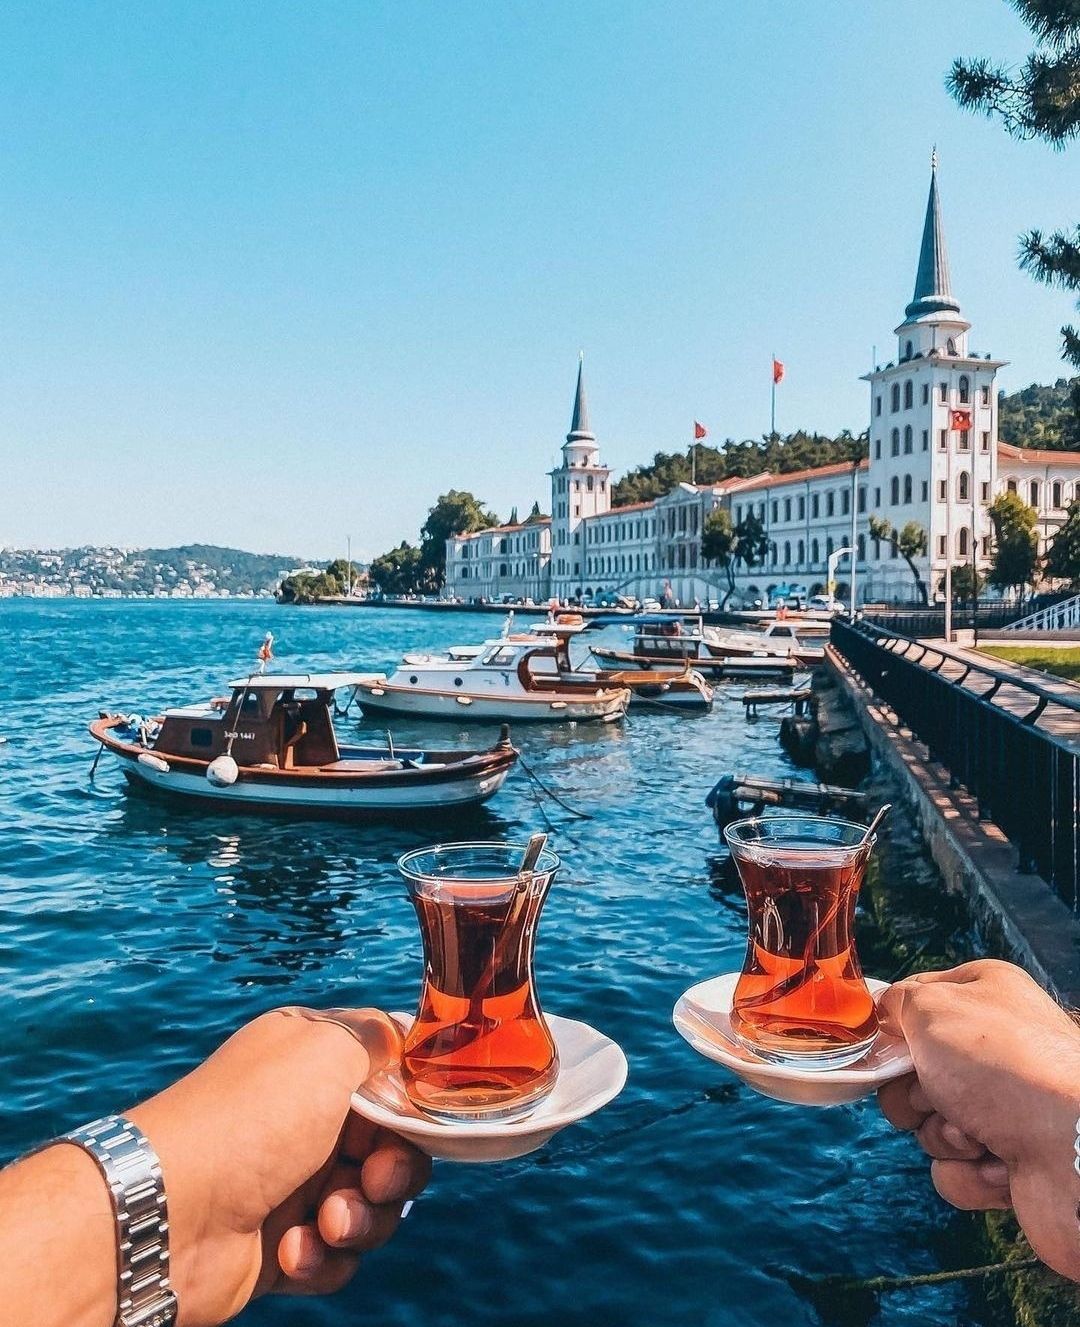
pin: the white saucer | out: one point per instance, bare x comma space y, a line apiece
592, 1071
702, 1017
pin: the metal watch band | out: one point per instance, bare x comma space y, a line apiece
133, 1173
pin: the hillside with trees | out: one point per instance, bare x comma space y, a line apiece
1042, 416
781, 454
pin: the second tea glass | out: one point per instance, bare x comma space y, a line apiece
801, 999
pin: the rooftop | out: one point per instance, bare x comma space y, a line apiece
1040, 455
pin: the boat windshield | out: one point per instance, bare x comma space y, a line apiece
500, 656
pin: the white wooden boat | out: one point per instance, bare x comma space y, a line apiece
271, 746
663, 639
514, 678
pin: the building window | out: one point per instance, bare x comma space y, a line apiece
909, 397
941, 546
943, 440
985, 392
860, 546
907, 440
828, 547
1010, 485
877, 497
962, 541
925, 490
589, 483
985, 444
861, 500
801, 552
815, 551
1034, 491
877, 405
908, 349
984, 492
1055, 494
787, 553
894, 490
965, 440
775, 510
895, 442
877, 449
787, 509
963, 487
845, 502
942, 490
965, 389
830, 503
926, 393
815, 506
802, 508
926, 440
907, 490
943, 391
895, 397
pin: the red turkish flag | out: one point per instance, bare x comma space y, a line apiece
777, 371
700, 431
960, 420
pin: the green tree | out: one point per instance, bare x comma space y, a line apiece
718, 543
1015, 557
1042, 416
1063, 557
751, 541
456, 512
1040, 99
961, 583
910, 543
400, 571
346, 573
308, 587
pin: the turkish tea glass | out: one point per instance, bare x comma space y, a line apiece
801, 999
479, 1049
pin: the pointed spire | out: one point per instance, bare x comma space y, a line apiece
933, 292
579, 425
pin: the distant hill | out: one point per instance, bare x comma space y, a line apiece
1039, 416
193, 570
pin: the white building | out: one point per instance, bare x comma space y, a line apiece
934, 459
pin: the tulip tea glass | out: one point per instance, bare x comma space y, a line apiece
801, 999
479, 1049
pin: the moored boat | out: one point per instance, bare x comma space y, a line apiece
271, 746
513, 678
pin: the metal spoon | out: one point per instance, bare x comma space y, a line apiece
872, 827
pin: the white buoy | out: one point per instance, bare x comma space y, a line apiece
222, 772
150, 761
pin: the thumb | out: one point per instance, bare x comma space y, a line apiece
377, 1033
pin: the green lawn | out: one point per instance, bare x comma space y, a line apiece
1063, 661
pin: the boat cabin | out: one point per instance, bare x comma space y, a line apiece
280, 722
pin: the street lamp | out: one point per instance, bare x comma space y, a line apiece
830, 577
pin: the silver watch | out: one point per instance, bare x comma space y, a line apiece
133, 1173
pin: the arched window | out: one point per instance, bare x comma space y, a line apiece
895, 442
828, 547
909, 349
801, 552
950, 346
962, 542
894, 490
907, 488
965, 389
815, 551
963, 487
787, 553
1055, 492
909, 399
877, 449
861, 548
464, 573
895, 396
1010, 485
943, 391
1034, 493
907, 440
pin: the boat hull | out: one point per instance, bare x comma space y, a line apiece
412, 702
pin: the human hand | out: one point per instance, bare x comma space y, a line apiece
273, 1185
995, 1096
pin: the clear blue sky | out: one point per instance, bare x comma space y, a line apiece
275, 274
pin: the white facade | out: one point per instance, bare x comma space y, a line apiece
934, 459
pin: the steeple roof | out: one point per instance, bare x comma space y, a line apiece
933, 291
579, 425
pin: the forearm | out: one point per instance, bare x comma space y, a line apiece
57, 1242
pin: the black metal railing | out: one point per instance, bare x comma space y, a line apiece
929, 623
1025, 778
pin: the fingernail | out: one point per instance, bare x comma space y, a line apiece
308, 1257
994, 1172
352, 1219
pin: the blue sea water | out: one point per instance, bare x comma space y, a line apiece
134, 936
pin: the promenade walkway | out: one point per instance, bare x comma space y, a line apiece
1062, 722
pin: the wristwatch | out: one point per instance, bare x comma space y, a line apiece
132, 1171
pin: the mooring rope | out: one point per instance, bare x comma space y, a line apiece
581, 815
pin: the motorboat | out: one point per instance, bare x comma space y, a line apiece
660, 640
271, 746
512, 678
781, 639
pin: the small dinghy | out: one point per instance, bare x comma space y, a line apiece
271, 746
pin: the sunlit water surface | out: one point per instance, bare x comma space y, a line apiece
134, 936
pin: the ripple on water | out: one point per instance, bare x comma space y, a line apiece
126, 923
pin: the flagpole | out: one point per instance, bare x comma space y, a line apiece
772, 378
693, 454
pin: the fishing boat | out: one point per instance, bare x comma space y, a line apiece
512, 678
665, 638
780, 639
271, 746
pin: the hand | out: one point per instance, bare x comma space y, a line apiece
272, 1183
994, 1098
